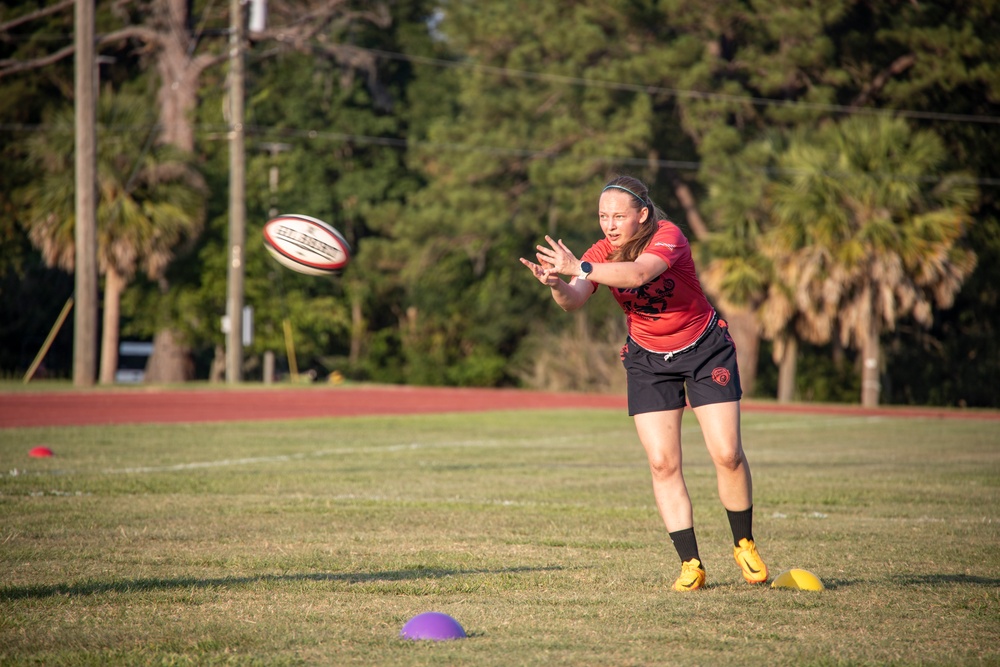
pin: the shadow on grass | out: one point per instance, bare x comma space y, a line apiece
834, 584
944, 579
918, 580
156, 584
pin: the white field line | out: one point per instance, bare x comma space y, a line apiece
458, 501
300, 456
547, 441
253, 460
339, 451
805, 422
646, 508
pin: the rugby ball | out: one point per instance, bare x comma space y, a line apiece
307, 245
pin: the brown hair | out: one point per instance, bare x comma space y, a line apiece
640, 199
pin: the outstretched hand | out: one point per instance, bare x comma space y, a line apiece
557, 256
553, 261
542, 271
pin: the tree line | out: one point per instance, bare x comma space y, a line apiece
831, 162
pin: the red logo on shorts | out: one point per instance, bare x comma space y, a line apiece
721, 376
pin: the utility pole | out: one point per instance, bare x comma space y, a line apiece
273, 147
85, 275
237, 197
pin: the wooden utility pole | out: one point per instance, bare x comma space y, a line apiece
237, 197
85, 290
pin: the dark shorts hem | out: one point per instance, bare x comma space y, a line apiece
686, 405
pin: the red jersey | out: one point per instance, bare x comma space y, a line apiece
671, 311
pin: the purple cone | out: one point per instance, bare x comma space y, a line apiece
432, 625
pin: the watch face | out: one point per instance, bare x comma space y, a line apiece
586, 267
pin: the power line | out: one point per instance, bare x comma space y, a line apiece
674, 92
220, 132
534, 153
678, 92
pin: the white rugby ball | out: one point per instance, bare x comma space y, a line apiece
307, 245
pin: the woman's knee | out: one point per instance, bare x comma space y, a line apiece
730, 459
664, 467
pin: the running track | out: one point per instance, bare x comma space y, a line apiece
157, 405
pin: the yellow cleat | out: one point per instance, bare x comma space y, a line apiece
692, 576
754, 570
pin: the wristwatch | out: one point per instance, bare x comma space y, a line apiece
585, 269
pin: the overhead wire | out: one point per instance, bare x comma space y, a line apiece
655, 89
680, 92
594, 83
212, 132
683, 165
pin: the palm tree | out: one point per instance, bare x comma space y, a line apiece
151, 200
871, 230
739, 274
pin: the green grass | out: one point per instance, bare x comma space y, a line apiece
313, 542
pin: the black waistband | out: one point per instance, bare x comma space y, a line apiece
704, 334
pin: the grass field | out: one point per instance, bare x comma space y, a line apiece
312, 543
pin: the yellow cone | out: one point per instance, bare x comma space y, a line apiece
800, 580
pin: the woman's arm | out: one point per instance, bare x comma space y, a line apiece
623, 275
569, 296
628, 275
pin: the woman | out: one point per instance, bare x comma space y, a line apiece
677, 351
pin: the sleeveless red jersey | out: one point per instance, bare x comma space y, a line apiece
671, 311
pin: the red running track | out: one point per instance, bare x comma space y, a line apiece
140, 405
157, 405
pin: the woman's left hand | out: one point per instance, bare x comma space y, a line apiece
558, 258
543, 272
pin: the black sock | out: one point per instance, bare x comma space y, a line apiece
686, 544
742, 525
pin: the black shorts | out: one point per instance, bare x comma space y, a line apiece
707, 369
